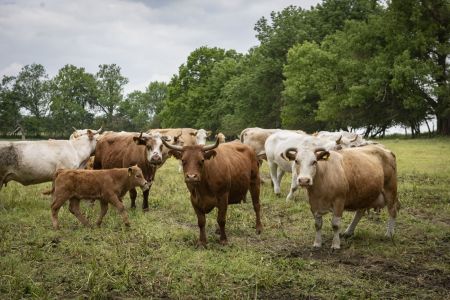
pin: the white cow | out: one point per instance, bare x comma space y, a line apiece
348, 139
274, 148
32, 162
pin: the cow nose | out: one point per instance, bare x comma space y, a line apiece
304, 181
191, 177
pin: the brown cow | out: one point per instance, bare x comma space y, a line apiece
352, 179
109, 186
216, 178
221, 137
125, 149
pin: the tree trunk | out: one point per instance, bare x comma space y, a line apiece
443, 125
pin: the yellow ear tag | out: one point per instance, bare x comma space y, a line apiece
326, 157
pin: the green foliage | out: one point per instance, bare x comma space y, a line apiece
9, 106
73, 91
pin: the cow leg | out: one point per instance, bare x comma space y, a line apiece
114, 200
180, 167
393, 205
201, 221
133, 195
222, 218
336, 223
56, 205
351, 228
145, 201
103, 210
74, 208
293, 187
254, 191
273, 167
318, 225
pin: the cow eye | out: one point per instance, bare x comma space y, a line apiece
138, 176
149, 147
314, 163
183, 162
201, 162
297, 162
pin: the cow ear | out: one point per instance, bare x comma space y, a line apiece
323, 155
130, 171
193, 133
90, 134
175, 153
139, 141
208, 133
210, 154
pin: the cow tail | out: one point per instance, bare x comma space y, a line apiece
49, 192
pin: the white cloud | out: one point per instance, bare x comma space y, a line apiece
148, 39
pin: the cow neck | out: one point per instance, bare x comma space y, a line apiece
84, 149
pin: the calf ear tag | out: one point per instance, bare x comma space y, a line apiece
326, 156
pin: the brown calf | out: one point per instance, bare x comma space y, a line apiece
216, 178
109, 186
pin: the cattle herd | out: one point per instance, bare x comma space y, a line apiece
339, 170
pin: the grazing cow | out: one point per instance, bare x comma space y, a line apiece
109, 186
221, 137
281, 140
125, 149
347, 139
216, 178
32, 162
353, 179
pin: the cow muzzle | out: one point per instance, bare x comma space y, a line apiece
146, 186
156, 160
191, 178
304, 181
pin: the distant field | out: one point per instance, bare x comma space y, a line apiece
157, 256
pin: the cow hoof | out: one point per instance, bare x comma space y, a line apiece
258, 229
224, 242
146, 209
317, 246
335, 247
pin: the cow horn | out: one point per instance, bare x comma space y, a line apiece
99, 130
354, 140
173, 147
210, 147
74, 129
338, 141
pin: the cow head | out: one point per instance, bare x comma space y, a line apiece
200, 136
136, 178
305, 162
193, 159
80, 132
153, 147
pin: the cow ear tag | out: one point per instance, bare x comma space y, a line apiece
326, 156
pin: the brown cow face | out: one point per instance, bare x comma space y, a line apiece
137, 178
193, 160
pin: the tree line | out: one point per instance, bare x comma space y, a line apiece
342, 64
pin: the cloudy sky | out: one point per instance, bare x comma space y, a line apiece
149, 40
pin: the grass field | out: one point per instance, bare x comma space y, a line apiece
157, 257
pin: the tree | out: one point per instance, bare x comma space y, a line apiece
9, 106
110, 84
190, 96
31, 87
72, 92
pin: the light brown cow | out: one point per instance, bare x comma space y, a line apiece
216, 178
353, 179
109, 186
125, 149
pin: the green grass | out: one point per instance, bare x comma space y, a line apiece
157, 257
